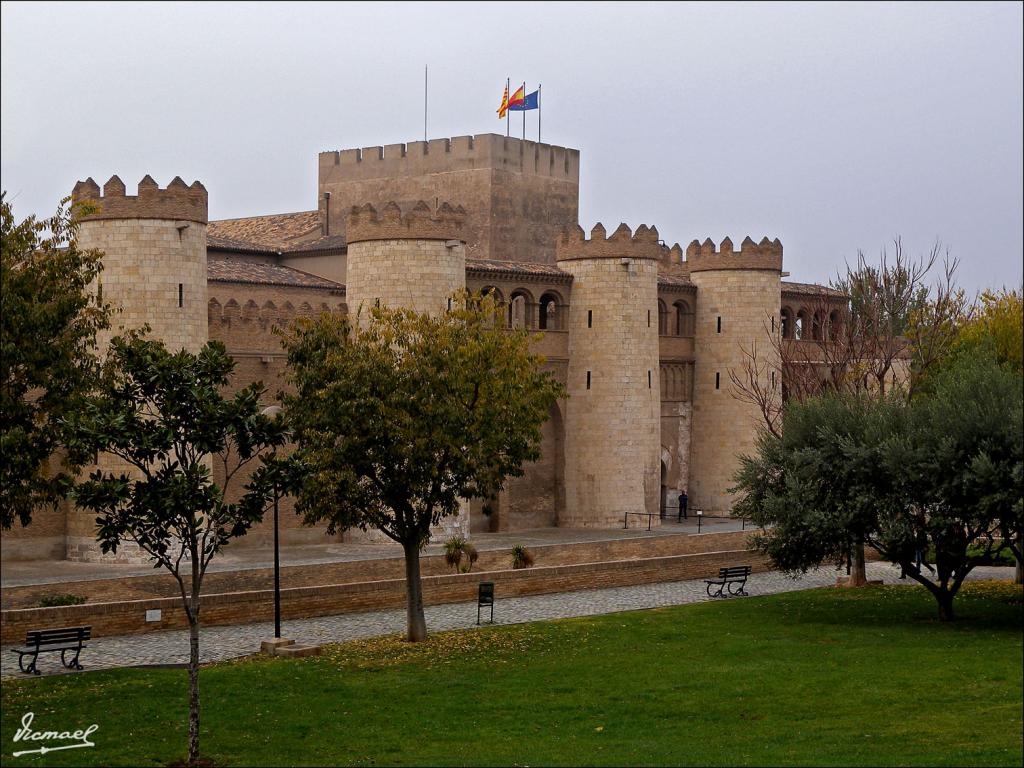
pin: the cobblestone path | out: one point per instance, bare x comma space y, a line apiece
224, 642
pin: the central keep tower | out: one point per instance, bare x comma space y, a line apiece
519, 195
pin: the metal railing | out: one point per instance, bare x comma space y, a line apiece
648, 515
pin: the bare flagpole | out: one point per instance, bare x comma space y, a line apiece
538, 113
524, 111
424, 102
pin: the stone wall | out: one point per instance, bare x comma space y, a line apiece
415, 260
738, 297
518, 194
154, 273
612, 414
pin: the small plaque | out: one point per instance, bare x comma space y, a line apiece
153, 615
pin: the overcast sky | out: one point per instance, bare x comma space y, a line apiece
833, 127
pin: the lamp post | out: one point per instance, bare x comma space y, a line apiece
700, 515
274, 410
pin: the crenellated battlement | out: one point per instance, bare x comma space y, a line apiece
415, 158
420, 222
765, 255
178, 201
642, 244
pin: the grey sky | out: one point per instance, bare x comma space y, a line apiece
833, 127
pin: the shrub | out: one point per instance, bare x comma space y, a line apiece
453, 551
57, 599
521, 557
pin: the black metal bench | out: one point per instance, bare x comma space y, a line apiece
46, 640
485, 597
727, 577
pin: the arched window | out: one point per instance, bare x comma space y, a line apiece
492, 291
549, 316
787, 323
520, 306
818, 326
499, 301
801, 324
832, 329
662, 318
684, 318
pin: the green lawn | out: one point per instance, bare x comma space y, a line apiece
823, 677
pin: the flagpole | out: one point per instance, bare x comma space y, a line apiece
424, 102
538, 112
508, 117
524, 112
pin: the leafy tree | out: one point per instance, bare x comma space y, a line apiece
943, 474
48, 324
400, 418
999, 325
896, 328
164, 415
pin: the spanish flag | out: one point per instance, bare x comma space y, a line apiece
504, 104
517, 97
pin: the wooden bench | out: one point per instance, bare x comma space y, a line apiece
45, 640
727, 577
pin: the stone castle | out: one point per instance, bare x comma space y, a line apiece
643, 335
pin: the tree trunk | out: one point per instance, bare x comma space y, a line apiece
1018, 573
858, 568
945, 599
193, 689
416, 623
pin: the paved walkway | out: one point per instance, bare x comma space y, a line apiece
225, 642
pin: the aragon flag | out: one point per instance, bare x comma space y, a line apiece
529, 101
504, 103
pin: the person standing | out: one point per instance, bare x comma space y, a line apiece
682, 506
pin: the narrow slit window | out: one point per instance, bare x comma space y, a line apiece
648, 318
590, 318
181, 294
718, 379
719, 323
773, 323
588, 379
449, 305
648, 379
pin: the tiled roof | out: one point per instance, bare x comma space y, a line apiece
675, 280
238, 271
519, 268
219, 243
279, 231
327, 243
810, 288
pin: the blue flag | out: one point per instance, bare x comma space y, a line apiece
530, 101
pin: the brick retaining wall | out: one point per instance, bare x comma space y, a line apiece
128, 617
162, 584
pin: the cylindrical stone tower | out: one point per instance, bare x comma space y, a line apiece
416, 260
738, 304
612, 427
154, 272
